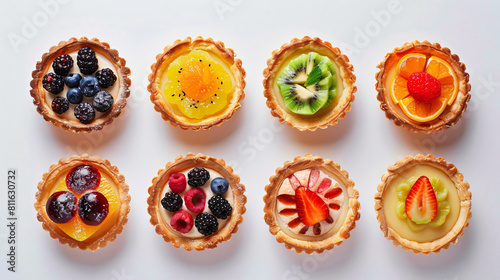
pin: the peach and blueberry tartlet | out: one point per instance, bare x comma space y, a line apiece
311, 205
423, 204
196, 202
423, 87
197, 83
83, 201
309, 84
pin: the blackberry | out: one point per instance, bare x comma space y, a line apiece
87, 61
60, 105
198, 176
84, 113
220, 207
172, 202
206, 223
62, 64
53, 83
103, 101
106, 77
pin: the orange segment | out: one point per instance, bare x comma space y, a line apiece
421, 111
75, 228
411, 63
443, 72
198, 79
399, 90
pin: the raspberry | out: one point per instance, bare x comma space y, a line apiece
53, 83
172, 202
62, 64
60, 105
206, 224
198, 176
195, 200
220, 207
84, 113
177, 182
103, 101
106, 77
87, 61
182, 221
423, 87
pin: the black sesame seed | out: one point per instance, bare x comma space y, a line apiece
200, 60
209, 65
215, 94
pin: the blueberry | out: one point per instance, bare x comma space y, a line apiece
103, 101
219, 185
89, 86
74, 95
73, 80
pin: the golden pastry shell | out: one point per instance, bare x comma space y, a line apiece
346, 97
64, 47
180, 164
181, 47
452, 113
272, 189
463, 193
46, 185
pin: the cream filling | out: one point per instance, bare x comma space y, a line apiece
193, 233
390, 199
103, 62
326, 228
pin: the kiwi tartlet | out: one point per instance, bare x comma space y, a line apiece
309, 84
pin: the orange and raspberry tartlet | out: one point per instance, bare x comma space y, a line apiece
83, 201
423, 87
197, 83
311, 204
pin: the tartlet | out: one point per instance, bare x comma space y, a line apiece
311, 204
184, 79
419, 109
444, 209
277, 84
84, 230
106, 58
189, 208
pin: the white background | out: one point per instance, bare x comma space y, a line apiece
139, 142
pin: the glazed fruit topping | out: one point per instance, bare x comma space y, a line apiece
177, 182
74, 95
219, 185
61, 207
220, 207
421, 203
106, 77
182, 221
172, 202
195, 200
83, 178
310, 207
424, 87
85, 113
53, 83
103, 101
89, 86
73, 80
87, 61
62, 64
198, 176
206, 224
93, 208
60, 105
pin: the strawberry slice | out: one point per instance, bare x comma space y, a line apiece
310, 207
313, 178
294, 181
421, 202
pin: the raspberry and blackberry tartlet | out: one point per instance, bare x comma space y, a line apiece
197, 83
83, 201
423, 87
423, 204
196, 202
311, 204
309, 84
80, 85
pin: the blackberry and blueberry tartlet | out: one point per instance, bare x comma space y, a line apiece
80, 85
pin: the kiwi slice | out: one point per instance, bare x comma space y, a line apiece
308, 83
